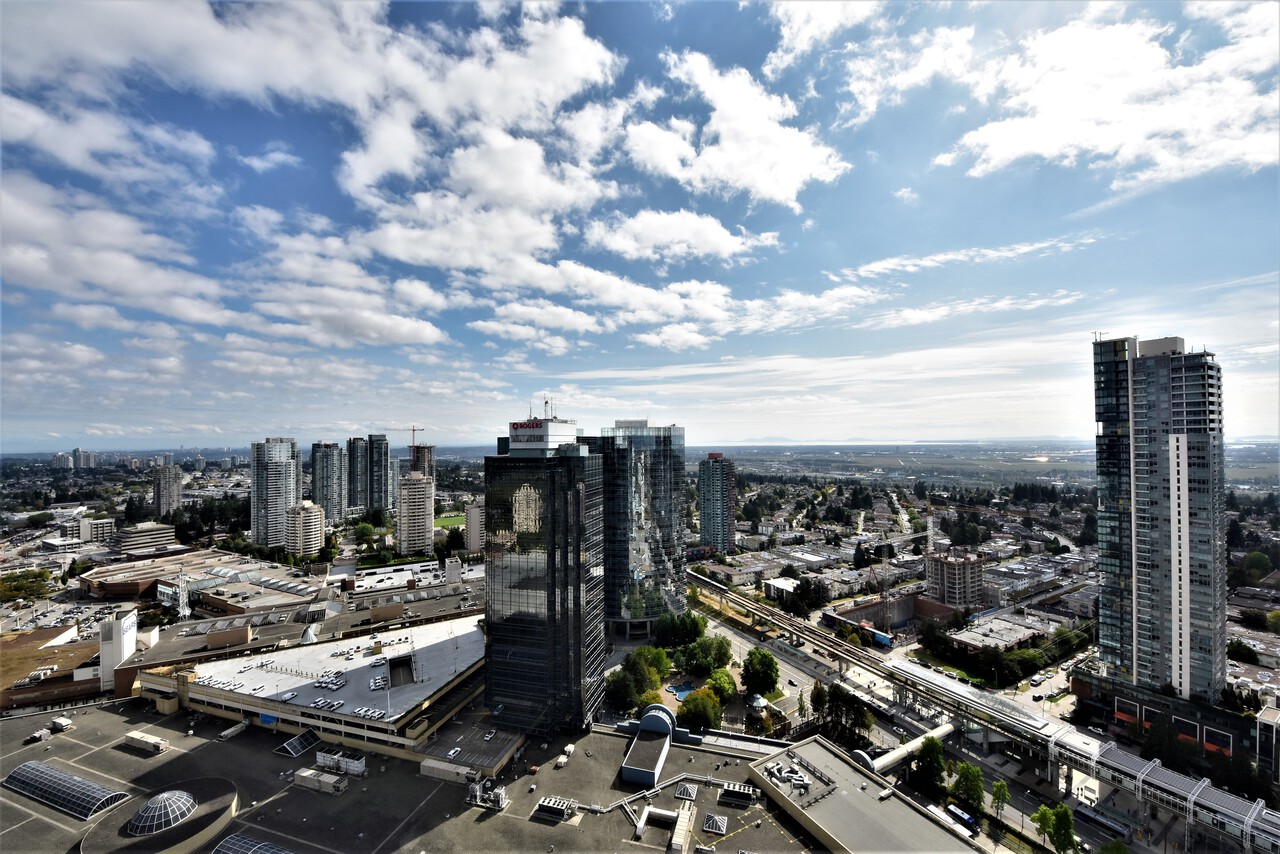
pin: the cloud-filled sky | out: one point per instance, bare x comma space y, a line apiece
819, 222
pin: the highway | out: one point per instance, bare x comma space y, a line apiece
1220, 813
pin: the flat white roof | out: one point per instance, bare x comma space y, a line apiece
436, 654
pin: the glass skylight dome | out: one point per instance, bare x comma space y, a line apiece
161, 812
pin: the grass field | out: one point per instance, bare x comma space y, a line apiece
450, 521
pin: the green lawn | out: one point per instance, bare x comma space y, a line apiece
450, 521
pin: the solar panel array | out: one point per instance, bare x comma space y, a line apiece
66, 792
300, 743
243, 843
162, 812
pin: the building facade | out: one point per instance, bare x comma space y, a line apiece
644, 524
166, 489
475, 526
423, 458
1161, 516
275, 476
382, 473
955, 580
416, 514
304, 529
544, 574
357, 472
329, 479
717, 503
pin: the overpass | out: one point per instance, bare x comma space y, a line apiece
1050, 744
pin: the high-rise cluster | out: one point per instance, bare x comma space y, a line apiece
329, 479
1161, 516
371, 473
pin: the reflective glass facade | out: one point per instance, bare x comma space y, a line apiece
644, 513
544, 577
1161, 519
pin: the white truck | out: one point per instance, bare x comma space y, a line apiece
146, 742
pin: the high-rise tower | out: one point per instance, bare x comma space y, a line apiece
415, 514
644, 510
544, 574
329, 480
717, 503
275, 468
166, 489
358, 472
1161, 532
382, 473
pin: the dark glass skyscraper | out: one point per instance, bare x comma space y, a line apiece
382, 476
358, 472
544, 573
329, 480
1161, 516
644, 510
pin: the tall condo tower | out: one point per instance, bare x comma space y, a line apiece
166, 489
644, 510
329, 479
717, 502
416, 514
382, 474
544, 573
275, 474
1161, 529
357, 472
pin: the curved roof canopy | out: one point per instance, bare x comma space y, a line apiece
61, 790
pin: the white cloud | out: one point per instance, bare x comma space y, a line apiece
676, 337
806, 24
882, 68
92, 316
275, 155
907, 195
744, 147
673, 236
939, 311
976, 255
419, 294
1110, 95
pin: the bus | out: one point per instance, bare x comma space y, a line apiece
1106, 822
963, 817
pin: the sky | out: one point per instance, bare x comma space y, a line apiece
765, 222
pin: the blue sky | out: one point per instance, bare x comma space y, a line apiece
818, 222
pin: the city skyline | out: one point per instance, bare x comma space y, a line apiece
841, 223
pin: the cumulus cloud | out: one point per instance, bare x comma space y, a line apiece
807, 24
743, 146
907, 195
676, 337
673, 236
275, 155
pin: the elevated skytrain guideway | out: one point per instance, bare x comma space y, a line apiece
1223, 814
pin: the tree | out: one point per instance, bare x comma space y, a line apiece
364, 534
620, 691
1063, 834
722, 685
1241, 652
760, 672
455, 540
818, 697
802, 709
700, 710
929, 767
999, 796
1043, 819
655, 658
967, 788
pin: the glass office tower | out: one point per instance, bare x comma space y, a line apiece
644, 513
1161, 516
544, 574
